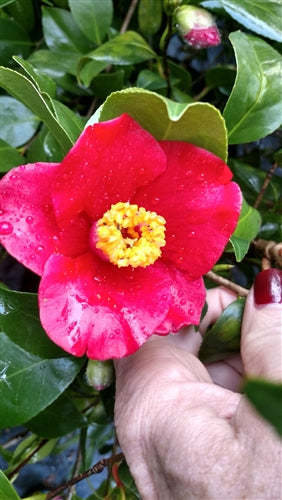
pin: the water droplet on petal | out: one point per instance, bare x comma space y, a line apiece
183, 302
6, 228
29, 219
191, 312
155, 201
40, 249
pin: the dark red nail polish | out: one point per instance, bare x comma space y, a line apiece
268, 287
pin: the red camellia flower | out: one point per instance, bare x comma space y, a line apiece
121, 232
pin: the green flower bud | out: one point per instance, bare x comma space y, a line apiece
197, 27
99, 374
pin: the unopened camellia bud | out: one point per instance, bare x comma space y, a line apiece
197, 27
99, 374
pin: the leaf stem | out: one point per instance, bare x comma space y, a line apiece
242, 292
95, 469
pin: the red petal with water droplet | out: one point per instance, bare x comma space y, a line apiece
200, 204
187, 301
90, 306
26, 208
109, 161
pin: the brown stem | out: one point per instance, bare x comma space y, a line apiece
95, 469
27, 459
242, 292
128, 16
272, 251
265, 184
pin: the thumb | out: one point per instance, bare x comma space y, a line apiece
261, 342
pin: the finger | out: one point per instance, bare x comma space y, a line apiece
261, 347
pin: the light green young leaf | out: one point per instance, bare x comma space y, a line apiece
5, 2
254, 108
261, 16
7, 490
26, 92
199, 123
93, 18
246, 230
44, 83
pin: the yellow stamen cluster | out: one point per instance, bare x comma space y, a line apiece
130, 235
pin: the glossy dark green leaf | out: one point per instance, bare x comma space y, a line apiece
127, 479
90, 70
14, 40
221, 77
44, 148
18, 123
22, 11
106, 83
5, 2
254, 108
198, 123
54, 64
271, 226
26, 92
93, 18
150, 16
58, 419
9, 157
42, 82
251, 180
124, 49
266, 397
246, 230
261, 16
7, 490
33, 371
61, 32
223, 338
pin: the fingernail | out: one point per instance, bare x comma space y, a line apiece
268, 287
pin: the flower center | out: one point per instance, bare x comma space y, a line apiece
129, 235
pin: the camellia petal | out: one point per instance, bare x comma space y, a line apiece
28, 228
200, 204
90, 306
107, 164
187, 301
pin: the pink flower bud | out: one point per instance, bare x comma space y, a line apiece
197, 27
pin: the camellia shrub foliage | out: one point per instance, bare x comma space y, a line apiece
140, 161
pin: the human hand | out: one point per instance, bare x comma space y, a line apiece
185, 436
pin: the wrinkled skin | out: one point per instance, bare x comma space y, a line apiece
184, 429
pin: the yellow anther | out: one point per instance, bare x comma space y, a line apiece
130, 235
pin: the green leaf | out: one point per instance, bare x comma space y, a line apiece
43, 83
93, 18
44, 148
124, 49
90, 70
127, 479
246, 230
199, 123
223, 338
261, 16
254, 108
14, 40
5, 2
54, 64
9, 157
68, 120
19, 124
33, 370
61, 33
25, 91
58, 419
22, 11
266, 397
7, 490
150, 16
